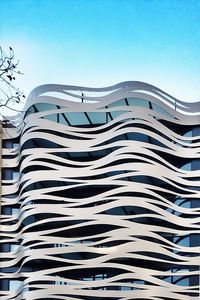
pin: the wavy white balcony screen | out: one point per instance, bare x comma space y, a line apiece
100, 196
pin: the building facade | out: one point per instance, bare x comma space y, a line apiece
100, 196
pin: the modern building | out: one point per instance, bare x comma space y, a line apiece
100, 196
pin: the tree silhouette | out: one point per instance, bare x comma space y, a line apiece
9, 93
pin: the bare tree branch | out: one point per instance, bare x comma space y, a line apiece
9, 93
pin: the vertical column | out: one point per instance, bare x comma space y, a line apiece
195, 203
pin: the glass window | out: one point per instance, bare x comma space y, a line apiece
31, 110
15, 145
183, 282
185, 241
45, 106
15, 211
126, 288
62, 120
14, 284
187, 167
115, 114
138, 102
97, 117
161, 111
118, 103
188, 134
52, 117
77, 118
13, 247
7, 144
15, 174
183, 203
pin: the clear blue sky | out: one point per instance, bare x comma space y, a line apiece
102, 42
